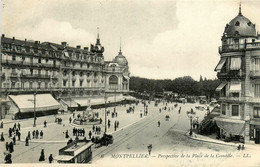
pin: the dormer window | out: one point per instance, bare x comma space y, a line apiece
237, 23
249, 23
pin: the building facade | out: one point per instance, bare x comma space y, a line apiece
239, 72
67, 73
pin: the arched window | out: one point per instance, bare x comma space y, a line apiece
237, 23
113, 80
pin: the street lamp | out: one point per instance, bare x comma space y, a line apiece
105, 98
191, 115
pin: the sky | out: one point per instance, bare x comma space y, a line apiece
160, 39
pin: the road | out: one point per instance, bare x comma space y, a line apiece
168, 139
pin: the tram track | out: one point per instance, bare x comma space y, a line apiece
127, 134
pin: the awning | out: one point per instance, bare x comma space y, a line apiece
221, 86
66, 54
220, 64
69, 103
44, 102
235, 63
231, 126
82, 102
235, 87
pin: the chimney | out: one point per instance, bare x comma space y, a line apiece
36, 42
86, 48
13, 38
78, 46
64, 43
3, 35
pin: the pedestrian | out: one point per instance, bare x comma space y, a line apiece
8, 158
10, 132
33, 134
93, 128
96, 129
2, 124
108, 124
83, 132
26, 141
41, 134
42, 157
14, 140
116, 114
239, 147
29, 135
11, 147
19, 136
6, 146
70, 119
2, 137
141, 115
45, 124
36, 134
115, 125
67, 134
19, 126
100, 121
16, 131
89, 134
243, 147
14, 125
50, 158
159, 123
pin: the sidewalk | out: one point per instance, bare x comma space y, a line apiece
198, 137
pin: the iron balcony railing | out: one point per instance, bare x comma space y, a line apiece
239, 47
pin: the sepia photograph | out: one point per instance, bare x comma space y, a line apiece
172, 83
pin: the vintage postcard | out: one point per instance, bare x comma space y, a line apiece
130, 83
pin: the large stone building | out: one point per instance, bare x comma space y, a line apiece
74, 76
239, 71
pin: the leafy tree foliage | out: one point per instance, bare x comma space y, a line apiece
183, 85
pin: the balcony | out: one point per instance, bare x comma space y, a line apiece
35, 76
234, 74
30, 64
234, 99
239, 47
14, 75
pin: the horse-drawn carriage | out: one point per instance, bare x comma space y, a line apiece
105, 140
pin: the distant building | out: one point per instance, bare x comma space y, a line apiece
239, 72
72, 75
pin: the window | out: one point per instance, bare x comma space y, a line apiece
257, 90
73, 73
23, 58
81, 73
237, 23
64, 82
31, 71
257, 65
13, 58
39, 61
256, 112
80, 83
235, 110
234, 94
54, 62
223, 109
47, 60
73, 83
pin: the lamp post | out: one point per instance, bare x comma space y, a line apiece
105, 98
34, 103
190, 115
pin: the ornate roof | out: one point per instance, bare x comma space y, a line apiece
240, 26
